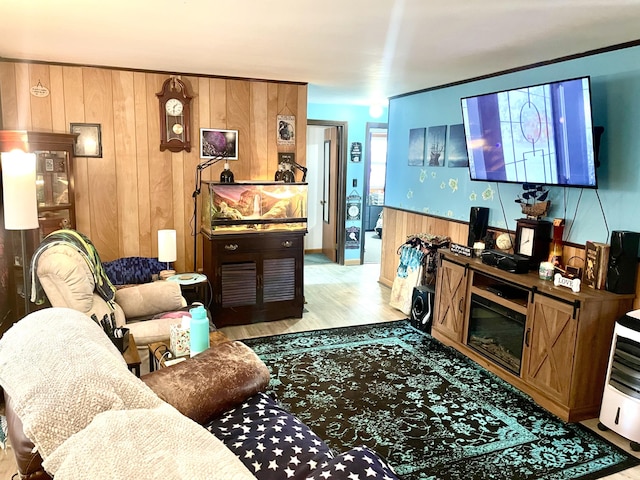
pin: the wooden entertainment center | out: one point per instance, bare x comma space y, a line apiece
564, 337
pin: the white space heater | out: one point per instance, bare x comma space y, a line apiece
620, 409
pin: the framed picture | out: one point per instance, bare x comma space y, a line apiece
286, 130
416, 146
356, 151
215, 143
436, 140
89, 141
457, 148
352, 239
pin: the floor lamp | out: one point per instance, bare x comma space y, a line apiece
20, 203
201, 166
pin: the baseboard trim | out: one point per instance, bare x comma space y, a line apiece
352, 262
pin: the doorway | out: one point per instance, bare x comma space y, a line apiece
326, 176
375, 166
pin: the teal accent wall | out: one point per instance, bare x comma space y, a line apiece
448, 192
356, 117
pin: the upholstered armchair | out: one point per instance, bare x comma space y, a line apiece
68, 280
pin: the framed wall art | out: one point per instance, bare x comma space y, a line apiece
286, 129
457, 148
89, 141
416, 146
352, 239
216, 143
436, 140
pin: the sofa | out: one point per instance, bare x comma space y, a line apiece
75, 411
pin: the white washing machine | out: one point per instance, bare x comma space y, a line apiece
620, 410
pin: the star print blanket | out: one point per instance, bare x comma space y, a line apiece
275, 445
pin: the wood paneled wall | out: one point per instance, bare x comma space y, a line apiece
399, 224
125, 197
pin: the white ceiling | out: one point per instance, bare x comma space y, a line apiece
349, 51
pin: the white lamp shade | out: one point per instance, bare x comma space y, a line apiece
19, 190
167, 246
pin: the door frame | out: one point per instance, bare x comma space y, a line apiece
367, 173
338, 210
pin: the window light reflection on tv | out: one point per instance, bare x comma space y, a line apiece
540, 134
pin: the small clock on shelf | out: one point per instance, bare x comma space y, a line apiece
533, 238
175, 116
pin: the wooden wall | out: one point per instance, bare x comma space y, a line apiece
125, 197
399, 224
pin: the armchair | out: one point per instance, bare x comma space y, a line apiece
70, 278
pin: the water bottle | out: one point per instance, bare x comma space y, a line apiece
227, 175
199, 330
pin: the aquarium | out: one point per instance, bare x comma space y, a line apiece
245, 207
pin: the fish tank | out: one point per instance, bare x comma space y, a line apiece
245, 207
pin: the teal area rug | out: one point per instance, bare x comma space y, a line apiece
431, 412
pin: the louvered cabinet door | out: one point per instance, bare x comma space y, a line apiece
239, 284
255, 277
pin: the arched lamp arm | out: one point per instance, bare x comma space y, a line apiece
301, 168
201, 166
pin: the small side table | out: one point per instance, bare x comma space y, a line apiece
194, 287
132, 356
159, 352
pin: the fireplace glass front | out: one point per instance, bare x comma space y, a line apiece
496, 332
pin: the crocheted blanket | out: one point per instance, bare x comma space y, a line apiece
89, 417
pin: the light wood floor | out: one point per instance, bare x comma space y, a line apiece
338, 296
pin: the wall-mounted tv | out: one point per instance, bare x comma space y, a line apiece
541, 134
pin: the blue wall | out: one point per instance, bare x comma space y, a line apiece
357, 118
448, 192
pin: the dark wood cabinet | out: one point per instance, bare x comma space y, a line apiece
56, 209
255, 277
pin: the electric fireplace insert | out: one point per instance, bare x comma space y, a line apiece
496, 332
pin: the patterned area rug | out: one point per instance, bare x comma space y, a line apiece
431, 412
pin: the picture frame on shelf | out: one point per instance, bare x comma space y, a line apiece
215, 142
89, 140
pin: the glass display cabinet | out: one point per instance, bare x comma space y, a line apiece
56, 210
254, 250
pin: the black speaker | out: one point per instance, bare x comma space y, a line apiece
478, 222
422, 307
623, 262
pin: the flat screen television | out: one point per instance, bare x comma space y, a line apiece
540, 134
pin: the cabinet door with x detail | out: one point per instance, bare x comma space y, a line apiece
550, 343
451, 294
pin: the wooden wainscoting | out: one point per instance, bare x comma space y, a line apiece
123, 198
398, 224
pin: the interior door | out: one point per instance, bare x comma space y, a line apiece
330, 194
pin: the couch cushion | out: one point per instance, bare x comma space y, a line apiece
211, 382
66, 278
